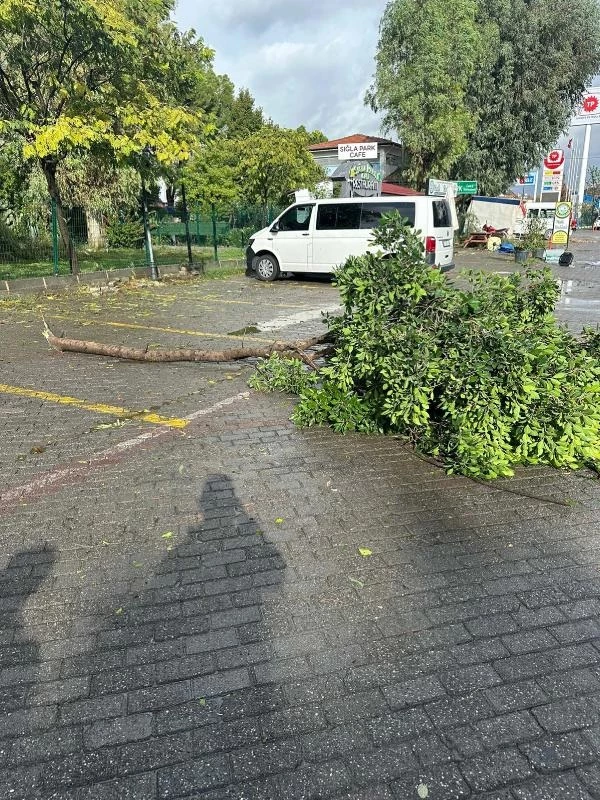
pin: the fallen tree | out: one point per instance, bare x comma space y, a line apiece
482, 378
288, 349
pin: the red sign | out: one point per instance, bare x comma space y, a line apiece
588, 112
555, 159
590, 104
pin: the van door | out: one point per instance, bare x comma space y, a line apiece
337, 235
443, 232
290, 236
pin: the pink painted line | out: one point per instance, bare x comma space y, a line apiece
53, 480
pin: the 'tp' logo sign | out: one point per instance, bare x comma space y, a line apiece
555, 159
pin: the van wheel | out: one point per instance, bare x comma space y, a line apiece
266, 267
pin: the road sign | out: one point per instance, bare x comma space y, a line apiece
450, 188
441, 188
466, 187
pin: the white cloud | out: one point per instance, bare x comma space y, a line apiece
306, 64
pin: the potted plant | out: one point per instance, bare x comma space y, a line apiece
522, 252
534, 238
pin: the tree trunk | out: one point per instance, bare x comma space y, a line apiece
290, 349
96, 230
49, 170
171, 192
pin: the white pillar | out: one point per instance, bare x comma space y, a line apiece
584, 166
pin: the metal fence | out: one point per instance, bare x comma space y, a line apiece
31, 244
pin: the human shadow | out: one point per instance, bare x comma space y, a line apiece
21, 579
182, 687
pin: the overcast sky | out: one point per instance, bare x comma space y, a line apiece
306, 63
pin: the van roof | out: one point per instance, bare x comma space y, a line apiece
396, 199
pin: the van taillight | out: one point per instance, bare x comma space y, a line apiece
430, 244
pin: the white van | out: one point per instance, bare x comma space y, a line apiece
319, 235
544, 211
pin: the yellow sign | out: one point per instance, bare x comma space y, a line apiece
560, 237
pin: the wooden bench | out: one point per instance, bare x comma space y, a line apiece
477, 238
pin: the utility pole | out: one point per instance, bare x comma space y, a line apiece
584, 167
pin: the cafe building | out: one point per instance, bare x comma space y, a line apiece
362, 166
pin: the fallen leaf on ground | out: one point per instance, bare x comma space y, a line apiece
365, 552
119, 611
279, 520
357, 582
422, 790
167, 535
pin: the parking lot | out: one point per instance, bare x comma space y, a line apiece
198, 600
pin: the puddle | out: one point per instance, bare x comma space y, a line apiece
244, 331
577, 293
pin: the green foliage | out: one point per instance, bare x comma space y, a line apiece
19, 244
211, 178
428, 50
275, 162
482, 377
242, 118
278, 374
127, 233
479, 89
534, 237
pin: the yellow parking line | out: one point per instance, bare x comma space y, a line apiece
98, 408
212, 298
203, 334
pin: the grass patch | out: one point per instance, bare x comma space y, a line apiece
95, 261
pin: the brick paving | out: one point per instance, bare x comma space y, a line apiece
194, 618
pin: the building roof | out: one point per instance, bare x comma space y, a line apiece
394, 188
355, 138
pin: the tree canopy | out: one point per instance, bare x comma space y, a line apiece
101, 79
276, 161
480, 89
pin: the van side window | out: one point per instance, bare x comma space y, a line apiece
442, 218
372, 213
296, 219
338, 216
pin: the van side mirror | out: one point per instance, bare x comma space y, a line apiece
275, 227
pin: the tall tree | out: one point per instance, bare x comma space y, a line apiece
275, 162
427, 54
211, 178
243, 118
544, 54
79, 77
515, 70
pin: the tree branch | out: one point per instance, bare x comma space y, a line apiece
292, 349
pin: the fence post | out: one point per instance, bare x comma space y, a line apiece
54, 237
186, 220
214, 231
147, 237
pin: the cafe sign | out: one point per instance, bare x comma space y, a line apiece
365, 151
364, 180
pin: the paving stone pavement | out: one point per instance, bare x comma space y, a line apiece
191, 617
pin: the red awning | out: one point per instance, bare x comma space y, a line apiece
394, 189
